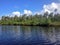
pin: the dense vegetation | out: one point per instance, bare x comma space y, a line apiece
41, 19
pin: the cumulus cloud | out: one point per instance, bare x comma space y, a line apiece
17, 13
38, 13
46, 8
28, 12
51, 7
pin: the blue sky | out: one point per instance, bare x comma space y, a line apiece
8, 6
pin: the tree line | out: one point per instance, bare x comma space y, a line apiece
37, 19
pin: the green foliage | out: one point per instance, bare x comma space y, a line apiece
31, 19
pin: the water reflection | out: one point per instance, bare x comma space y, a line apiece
29, 35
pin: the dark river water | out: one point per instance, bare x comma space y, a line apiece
29, 35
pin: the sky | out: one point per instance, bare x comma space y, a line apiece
25, 6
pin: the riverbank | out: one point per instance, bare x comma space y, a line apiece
42, 25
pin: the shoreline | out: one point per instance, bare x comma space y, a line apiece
42, 25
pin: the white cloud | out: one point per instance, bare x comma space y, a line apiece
17, 13
51, 7
28, 12
38, 13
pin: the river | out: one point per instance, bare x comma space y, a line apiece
29, 35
